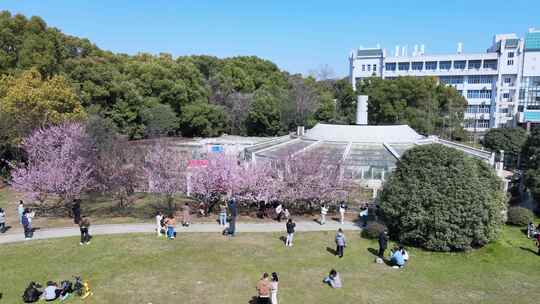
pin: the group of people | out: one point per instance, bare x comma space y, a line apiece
166, 225
267, 289
398, 256
274, 210
25, 219
342, 208
52, 292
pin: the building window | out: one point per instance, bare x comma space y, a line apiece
417, 66
403, 66
482, 123
490, 64
510, 54
460, 64
460, 92
445, 65
431, 65
475, 64
391, 66
506, 95
510, 62
369, 67
476, 79
451, 79
374, 68
473, 109
479, 94
363, 67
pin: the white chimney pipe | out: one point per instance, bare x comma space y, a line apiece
460, 47
422, 49
362, 110
415, 52
403, 51
396, 53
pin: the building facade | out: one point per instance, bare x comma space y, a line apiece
502, 85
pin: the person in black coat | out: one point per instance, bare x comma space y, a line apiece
76, 209
383, 243
233, 209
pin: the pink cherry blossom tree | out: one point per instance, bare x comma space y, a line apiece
165, 172
59, 163
221, 176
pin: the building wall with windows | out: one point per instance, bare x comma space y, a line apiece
500, 85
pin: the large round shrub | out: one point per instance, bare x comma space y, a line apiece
440, 199
519, 216
372, 230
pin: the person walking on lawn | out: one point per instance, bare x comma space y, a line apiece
84, 225
340, 243
383, 243
290, 232
342, 209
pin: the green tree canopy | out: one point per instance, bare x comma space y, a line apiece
201, 119
440, 199
510, 140
423, 103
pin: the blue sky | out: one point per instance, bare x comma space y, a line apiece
297, 35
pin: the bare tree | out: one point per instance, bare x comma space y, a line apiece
323, 72
305, 99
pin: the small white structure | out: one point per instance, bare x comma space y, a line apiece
362, 110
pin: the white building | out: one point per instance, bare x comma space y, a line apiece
502, 86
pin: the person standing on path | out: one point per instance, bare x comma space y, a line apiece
274, 288
27, 226
340, 243
324, 211
2, 221
342, 209
186, 215
290, 232
84, 225
76, 210
263, 290
20, 210
159, 218
223, 214
383, 243
171, 226
234, 212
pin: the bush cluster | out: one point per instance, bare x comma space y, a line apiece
373, 230
519, 216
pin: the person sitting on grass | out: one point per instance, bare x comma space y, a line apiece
333, 279
51, 292
405, 254
32, 293
397, 260
538, 242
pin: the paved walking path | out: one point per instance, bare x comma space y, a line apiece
50, 233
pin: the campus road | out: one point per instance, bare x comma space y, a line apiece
50, 233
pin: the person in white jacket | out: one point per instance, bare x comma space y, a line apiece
274, 288
159, 217
324, 211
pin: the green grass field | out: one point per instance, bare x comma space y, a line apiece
209, 268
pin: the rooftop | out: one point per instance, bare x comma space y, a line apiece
363, 134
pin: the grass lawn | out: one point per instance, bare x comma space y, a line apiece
209, 268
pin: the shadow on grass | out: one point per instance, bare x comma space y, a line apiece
253, 300
331, 250
528, 249
283, 239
